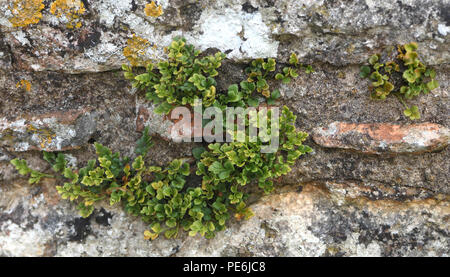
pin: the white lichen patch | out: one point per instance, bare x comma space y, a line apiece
5, 22
72, 161
420, 139
108, 10
36, 67
329, 131
20, 242
103, 52
5, 124
55, 20
5, 14
244, 34
20, 36
22, 146
146, 30
443, 29
124, 237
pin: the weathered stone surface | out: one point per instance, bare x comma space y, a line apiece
339, 94
295, 221
428, 171
352, 204
106, 95
336, 32
314, 222
318, 99
381, 138
59, 131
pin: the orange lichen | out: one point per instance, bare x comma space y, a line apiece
24, 84
70, 9
45, 135
152, 10
26, 12
136, 50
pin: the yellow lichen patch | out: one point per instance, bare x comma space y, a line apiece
70, 9
26, 85
136, 50
153, 10
45, 135
26, 12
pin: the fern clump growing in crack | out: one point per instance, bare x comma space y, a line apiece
404, 76
160, 195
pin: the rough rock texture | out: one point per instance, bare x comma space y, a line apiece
313, 220
376, 183
50, 132
381, 138
336, 32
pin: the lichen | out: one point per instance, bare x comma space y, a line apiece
45, 136
152, 10
24, 84
135, 50
26, 12
70, 9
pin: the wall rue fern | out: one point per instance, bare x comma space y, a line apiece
163, 196
404, 76
181, 79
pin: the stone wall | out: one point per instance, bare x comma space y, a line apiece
376, 183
